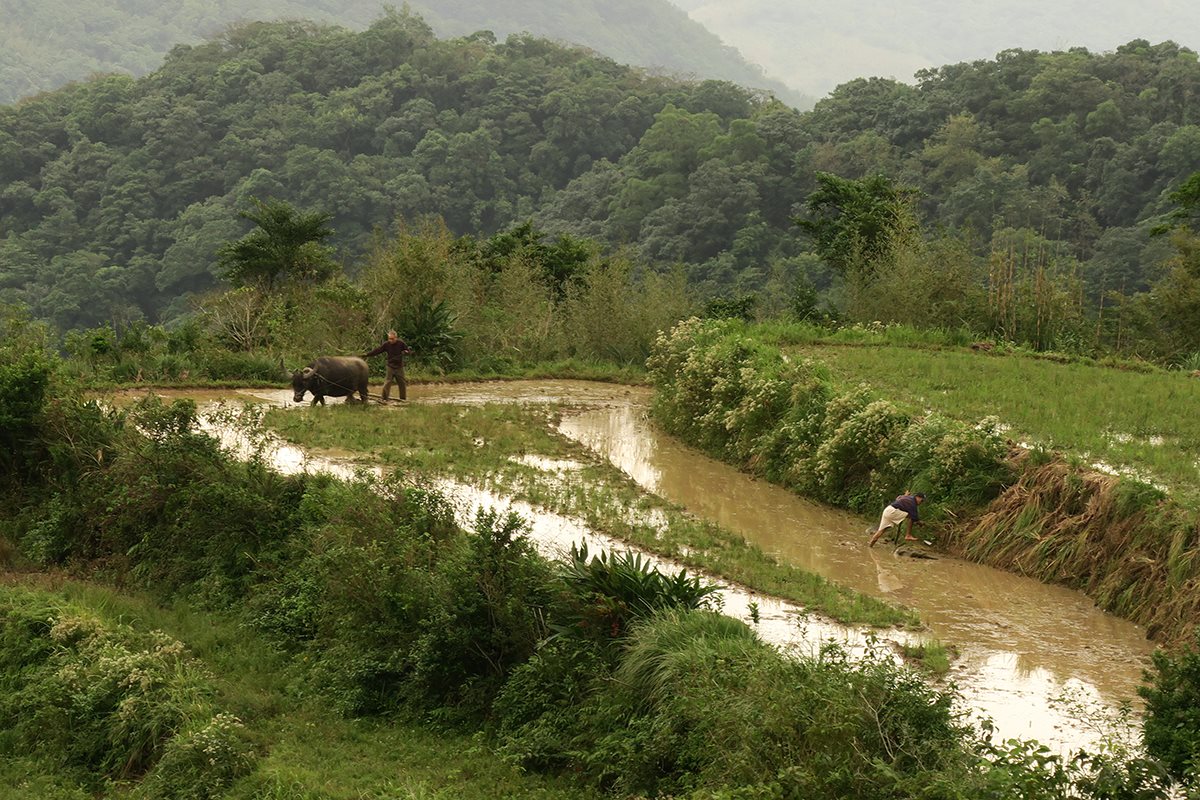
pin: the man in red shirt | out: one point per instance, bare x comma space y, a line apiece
396, 350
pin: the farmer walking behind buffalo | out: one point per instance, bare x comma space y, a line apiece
396, 350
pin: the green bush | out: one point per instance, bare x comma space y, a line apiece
396, 607
170, 367
742, 307
86, 695
1172, 723
125, 370
201, 763
845, 463
957, 464
147, 494
610, 590
538, 711
764, 403
489, 621
723, 387
227, 365
23, 386
360, 581
429, 328
698, 704
707, 364
53, 533
1132, 496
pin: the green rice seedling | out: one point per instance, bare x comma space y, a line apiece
930, 656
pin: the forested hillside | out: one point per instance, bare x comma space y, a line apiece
118, 193
1041, 174
46, 44
817, 46
1073, 149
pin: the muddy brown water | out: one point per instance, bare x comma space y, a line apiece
1022, 644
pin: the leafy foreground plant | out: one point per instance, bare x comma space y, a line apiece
386, 608
101, 701
612, 590
1172, 695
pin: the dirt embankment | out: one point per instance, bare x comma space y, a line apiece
1136, 553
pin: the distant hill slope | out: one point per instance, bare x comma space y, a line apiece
116, 194
47, 44
816, 46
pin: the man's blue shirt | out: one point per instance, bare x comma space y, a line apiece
906, 502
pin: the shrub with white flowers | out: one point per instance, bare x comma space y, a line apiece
92, 694
745, 401
201, 763
846, 461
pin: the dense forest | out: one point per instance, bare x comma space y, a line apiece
1034, 181
45, 45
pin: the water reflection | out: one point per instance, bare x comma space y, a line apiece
1022, 643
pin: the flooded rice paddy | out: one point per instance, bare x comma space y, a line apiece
1041, 661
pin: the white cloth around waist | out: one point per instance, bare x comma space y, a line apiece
892, 516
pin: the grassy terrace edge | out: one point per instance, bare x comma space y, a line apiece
433, 440
564, 369
729, 388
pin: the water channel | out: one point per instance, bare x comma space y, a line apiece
1022, 644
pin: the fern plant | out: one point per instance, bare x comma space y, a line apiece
429, 329
611, 590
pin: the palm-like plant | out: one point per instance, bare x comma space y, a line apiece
429, 329
611, 590
287, 245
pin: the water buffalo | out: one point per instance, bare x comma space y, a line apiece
333, 376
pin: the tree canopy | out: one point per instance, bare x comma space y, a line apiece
46, 44
118, 194
855, 223
286, 244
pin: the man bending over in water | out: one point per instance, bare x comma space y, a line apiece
902, 508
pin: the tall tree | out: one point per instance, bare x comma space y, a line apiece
287, 245
855, 223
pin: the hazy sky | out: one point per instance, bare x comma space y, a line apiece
815, 45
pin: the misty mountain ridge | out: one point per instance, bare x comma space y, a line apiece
814, 47
50, 43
